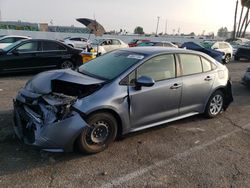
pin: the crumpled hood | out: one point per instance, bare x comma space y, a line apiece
42, 83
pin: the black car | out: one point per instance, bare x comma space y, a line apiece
242, 53
246, 78
38, 54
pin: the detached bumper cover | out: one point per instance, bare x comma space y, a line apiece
57, 136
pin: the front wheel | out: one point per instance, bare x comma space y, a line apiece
101, 132
227, 59
215, 104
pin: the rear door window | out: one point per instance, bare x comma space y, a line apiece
18, 38
207, 65
191, 64
75, 39
116, 42
52, 46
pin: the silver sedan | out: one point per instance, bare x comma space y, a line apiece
120, 92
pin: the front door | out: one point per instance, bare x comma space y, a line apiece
159, 102
23, 57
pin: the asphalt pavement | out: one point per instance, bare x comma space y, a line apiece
193, 152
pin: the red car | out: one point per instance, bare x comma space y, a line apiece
135, 42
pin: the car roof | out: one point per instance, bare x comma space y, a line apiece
8, 36
157, 50
43, 40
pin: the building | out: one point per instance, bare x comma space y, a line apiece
18, 25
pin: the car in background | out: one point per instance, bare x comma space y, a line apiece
102, 46
117, 93
226, 48
246, 78
136, 42
242, 53
77, 42
6, 40
197, 47
161, 43
38, 54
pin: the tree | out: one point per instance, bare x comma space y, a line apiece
138, 30
192, 34
222, 32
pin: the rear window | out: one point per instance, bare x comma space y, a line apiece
52, 46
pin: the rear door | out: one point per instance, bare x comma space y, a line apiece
115, 44
159, 102
197, 80
107, 45
52, 54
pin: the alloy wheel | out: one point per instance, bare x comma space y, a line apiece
216, 104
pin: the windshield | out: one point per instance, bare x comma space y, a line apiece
7, 48
111, 65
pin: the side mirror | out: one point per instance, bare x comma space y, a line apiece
144, 81
15, 52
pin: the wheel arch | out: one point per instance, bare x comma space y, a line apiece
227, 92
116, 116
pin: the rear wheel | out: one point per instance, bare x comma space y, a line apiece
67, 64
215, 104
98, 136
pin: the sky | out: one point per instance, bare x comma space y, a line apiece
185, 16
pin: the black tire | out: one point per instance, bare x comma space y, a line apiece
227, 58
215, 104
101, 133
67, 64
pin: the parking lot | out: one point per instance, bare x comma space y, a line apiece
194, 152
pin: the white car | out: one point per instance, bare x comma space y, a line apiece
76, 42
102, 46
9, 39
224, 47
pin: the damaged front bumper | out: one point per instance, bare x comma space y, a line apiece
44, 128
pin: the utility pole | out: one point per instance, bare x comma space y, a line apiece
166, 27
158, 19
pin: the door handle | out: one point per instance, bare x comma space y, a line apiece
175, 86
208, 78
